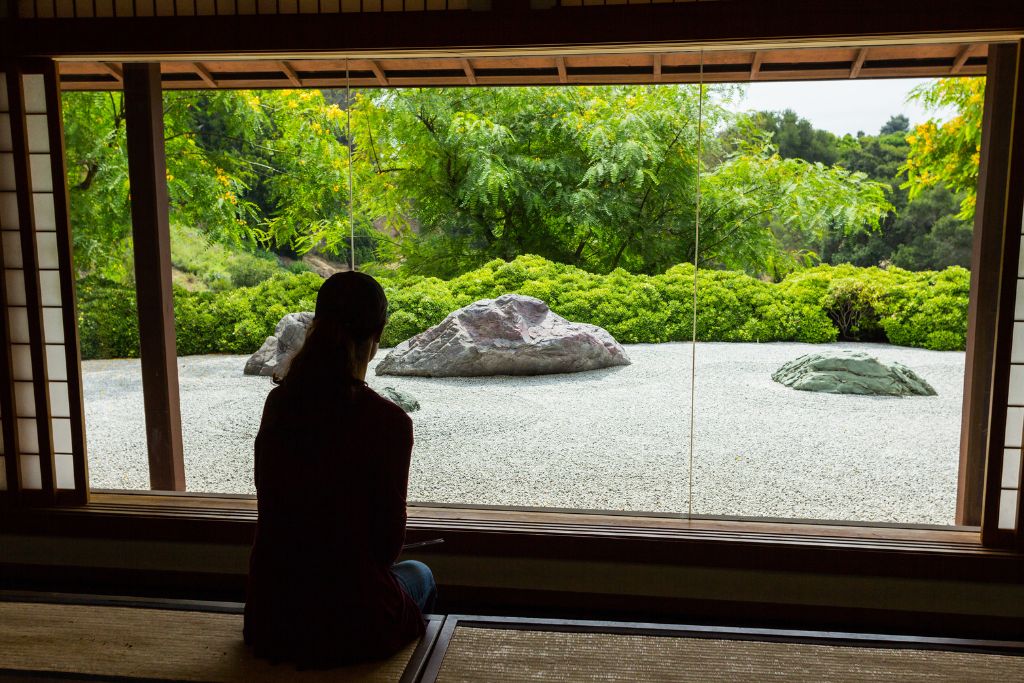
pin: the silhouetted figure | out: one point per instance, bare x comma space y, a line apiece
332, 471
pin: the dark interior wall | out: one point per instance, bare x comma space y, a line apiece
536, 587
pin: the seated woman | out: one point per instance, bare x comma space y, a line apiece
332, 470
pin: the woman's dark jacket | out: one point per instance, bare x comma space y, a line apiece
331, 481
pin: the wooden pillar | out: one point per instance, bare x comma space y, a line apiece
985, 280
147, 172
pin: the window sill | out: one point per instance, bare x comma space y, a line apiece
770, 545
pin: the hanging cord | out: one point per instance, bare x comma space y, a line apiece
696, 251
348, 139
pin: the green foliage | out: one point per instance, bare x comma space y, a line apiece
797, 138
925, 309
928, 309
816, 305
850, 304
948, 152
764, 210
217, 266
923, 233
107, 319
206, 188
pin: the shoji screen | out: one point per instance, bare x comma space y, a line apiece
40, 401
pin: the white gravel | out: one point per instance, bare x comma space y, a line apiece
615, 439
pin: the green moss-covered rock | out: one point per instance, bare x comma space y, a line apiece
851, 372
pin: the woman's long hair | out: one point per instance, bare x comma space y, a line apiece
351, 311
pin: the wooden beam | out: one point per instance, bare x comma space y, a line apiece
999, 214
379, 73
290, 73
204, 74
657, 67
990, 308
858, 63
961, 59
755, 65
470, 73
147, 173
560, 65
65, 261
114, 70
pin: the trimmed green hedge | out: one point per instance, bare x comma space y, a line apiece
822, 304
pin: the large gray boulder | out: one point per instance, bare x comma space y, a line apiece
851, 372
275, 352
510, 335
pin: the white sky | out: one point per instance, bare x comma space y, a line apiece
841, 107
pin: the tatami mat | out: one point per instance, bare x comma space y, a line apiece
128, 642
477, 654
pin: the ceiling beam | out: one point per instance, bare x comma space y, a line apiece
291, 73
204, 74
379, 73
961, 59
468, 68
858, 63
560, 64
755, 66
114, 70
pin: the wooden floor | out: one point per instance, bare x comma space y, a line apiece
58, 638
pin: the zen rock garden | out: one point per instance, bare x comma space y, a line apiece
520, 335
570, 418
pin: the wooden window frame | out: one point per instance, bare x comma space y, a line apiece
804, 545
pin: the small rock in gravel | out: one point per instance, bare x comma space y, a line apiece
851, 372
404, 400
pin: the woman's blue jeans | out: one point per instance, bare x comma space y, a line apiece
418, 581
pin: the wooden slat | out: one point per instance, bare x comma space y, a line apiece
204, 74
961, 59
290, 74
8, 419
151, 241
470, 73
114, 70
656, 67
858, 63
69, 300
560, 65
755, 66
382, 79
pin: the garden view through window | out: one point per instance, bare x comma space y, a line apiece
831, 256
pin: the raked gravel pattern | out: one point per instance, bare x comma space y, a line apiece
614, 439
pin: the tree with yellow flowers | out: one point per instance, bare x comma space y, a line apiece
947, 152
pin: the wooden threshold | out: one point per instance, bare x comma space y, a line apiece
430, 515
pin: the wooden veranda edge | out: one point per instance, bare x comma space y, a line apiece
947, 554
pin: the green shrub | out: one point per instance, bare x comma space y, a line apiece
107, 320
928, 309
850, 304
247, 271
817, 305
